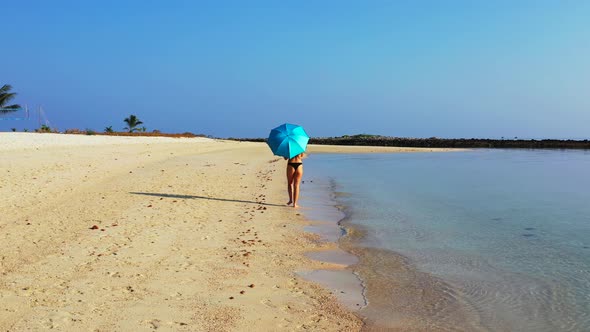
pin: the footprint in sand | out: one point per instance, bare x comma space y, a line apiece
268, 303
154, 324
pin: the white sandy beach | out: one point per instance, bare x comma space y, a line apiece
102, 233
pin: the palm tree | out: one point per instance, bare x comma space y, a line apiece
132, 121
5, 97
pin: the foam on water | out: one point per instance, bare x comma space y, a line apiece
485, 239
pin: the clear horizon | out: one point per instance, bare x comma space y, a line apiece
457, 69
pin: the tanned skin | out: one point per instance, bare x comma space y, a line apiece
294, 175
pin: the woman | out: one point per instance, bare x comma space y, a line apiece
294, 175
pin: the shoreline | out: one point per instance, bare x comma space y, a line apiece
325, 217
382, 311
436, 307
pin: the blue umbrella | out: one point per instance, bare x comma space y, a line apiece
287, 140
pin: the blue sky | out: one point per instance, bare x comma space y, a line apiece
239, 68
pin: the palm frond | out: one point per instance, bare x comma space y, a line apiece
6, 96
132, 122
8, 109
5, 88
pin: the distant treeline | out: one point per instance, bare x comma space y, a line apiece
434, 142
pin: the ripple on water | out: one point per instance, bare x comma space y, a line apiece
413, 300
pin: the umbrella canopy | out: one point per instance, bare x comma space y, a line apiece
287, 140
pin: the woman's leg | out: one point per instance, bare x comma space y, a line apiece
290, 173
298, 174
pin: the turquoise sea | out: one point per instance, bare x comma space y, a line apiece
491, 240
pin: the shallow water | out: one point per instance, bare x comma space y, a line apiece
496, 239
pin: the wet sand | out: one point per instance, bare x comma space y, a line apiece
402, 298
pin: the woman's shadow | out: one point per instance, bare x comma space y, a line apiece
203, 197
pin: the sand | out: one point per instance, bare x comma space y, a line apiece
140, 233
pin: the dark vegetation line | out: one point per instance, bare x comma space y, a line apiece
433, 142
133, 129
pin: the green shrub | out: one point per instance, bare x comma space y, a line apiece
43, 129
73, 131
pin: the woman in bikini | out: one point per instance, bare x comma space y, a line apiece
294, 175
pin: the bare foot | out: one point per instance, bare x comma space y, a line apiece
289, 203
295, 205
